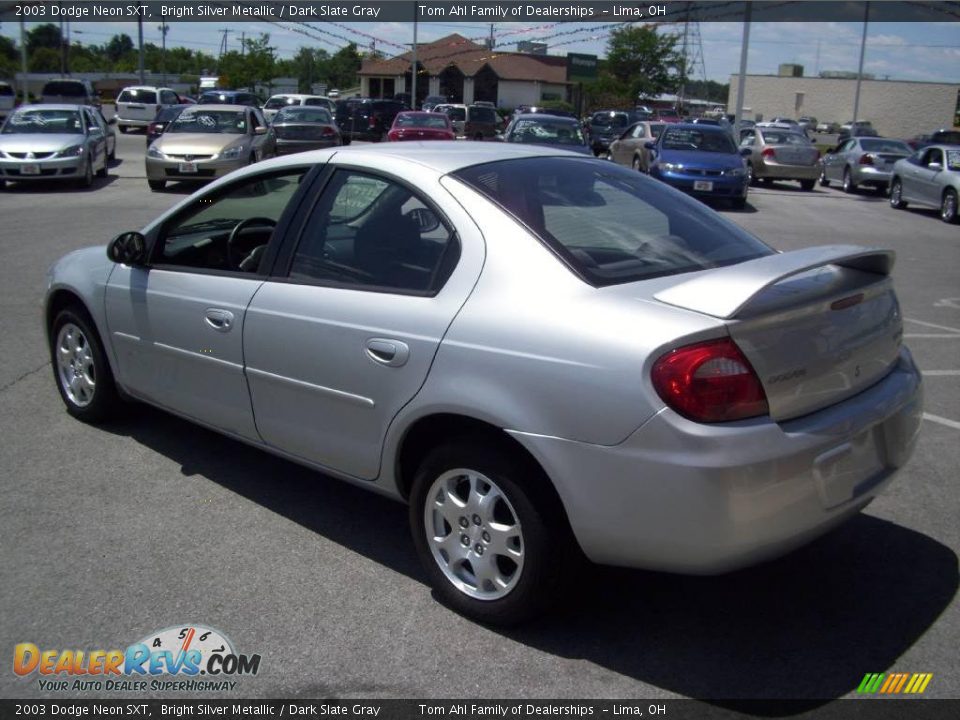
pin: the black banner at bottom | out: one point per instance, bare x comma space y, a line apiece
865, 709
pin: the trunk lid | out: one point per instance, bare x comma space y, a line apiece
818, 325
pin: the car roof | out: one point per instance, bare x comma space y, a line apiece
146, 87
55, 106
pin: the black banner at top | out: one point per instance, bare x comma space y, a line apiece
506, 11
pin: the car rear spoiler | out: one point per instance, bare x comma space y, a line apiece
724, 292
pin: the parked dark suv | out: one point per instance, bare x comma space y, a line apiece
366, 119
229, 97
481, 122
608, 125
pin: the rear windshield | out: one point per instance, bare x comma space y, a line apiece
608, 223
6, 90
947, 137
425, 120
606, 119
456, 113
546, 132
65, 87
784, 138
483, 114
301, 113
138, 96
278, 102
704, 141
886, 146
212, 98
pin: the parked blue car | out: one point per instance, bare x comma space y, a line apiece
701, 160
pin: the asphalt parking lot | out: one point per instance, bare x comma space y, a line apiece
110, 533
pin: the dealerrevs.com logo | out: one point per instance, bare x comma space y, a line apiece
198, 657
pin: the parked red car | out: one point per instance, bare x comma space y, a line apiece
421, 126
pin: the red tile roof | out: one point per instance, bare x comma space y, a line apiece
466, 55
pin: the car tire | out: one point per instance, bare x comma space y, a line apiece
896, 194
823, 178
80, 368
86, 180
849, 186
807, 185
751, 175
738, 203
157, 185
113, 153
536, 546
637, 165
948, 206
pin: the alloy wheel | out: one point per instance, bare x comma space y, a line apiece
76, 370
474, 534
948, 207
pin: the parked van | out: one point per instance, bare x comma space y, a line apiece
70, 91
138, 105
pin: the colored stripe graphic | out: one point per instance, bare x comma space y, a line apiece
895, 683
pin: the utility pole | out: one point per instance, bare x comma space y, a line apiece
63, 51
143, 78
741, 85
223, 41
491, 42
863, 49
413, 73
24, 84
243, 44
683, 70
164, 29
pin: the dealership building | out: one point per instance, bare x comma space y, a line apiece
466, 72
896, 108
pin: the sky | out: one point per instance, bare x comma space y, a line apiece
898, 51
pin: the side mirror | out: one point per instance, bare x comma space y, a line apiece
650, 145
745, 152
935, 166
260, 130
112, 121
128, 248
94, 130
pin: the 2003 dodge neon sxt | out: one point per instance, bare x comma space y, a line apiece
541, 353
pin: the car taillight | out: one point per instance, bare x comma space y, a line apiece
394, 135
327, 132
709, 382
866, 159
372, 121
769, 153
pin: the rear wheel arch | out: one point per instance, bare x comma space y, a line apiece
432, 431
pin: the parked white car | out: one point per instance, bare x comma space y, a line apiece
137, 106
277, 102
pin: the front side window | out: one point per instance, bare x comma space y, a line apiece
231, 230
608, 223
369, 232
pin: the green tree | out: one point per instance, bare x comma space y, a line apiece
44, 60
642, 62
255, 65
118, 46
8, 48
343, 67
43, 36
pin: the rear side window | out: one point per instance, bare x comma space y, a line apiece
6, 90
483, 114
138, 96
609, 224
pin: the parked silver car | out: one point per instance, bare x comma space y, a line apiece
544, 354
929, 177
55, 142
864, 161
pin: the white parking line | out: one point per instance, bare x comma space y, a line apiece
932, 335
941, 373
933, 325
943, 421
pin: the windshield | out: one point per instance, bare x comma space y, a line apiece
49, 122
215, 98
424, 120
611, 224
697, 140
886, 146
300, 113
606, 119
231, 122
545, 132
456, 113
138, 96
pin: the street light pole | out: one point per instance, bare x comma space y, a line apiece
413, 73
164, 29
863, 50
24, 84
143, 78
744, 48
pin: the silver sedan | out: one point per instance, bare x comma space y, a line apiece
547, 356
866, 161
55, 142
930, 177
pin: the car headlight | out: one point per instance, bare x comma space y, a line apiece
671, 167
72, 151
232, 153
153, 152
736, 172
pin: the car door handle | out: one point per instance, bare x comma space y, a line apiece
391, 353
219, 320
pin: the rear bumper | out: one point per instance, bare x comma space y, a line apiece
702, 499
288, 147
866, 175
131, 123
781, 171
